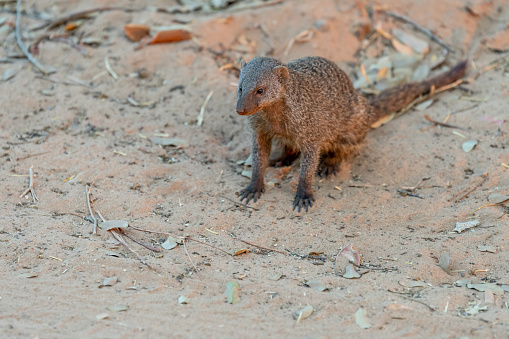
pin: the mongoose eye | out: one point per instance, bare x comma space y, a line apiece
259, 91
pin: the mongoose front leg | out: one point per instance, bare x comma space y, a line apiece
260, 152
308, 165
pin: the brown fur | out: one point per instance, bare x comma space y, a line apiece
311, 107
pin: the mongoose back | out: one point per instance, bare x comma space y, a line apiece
312, 108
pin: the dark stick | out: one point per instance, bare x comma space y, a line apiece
30, 186
443, 124
263, 248
90, 208
473, 189
239, 204
23, 48
204, 243
152, 248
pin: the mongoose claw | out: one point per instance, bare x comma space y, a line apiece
249, 194
303, 200
327, 171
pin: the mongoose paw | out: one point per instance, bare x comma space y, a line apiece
326, 170
251, 193
303, 200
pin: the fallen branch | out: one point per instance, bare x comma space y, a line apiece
30, 186
81, 15
44, 69
87, 191
239, 203
443, 124
191, 260
484, 176
123, 242
202, 110
421, 29
258, 246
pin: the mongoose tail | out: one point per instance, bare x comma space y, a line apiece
394, 99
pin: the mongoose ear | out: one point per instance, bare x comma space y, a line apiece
242, 64
281, 72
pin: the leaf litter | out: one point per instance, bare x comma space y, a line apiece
232, 292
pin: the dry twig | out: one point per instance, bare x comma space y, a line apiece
123, 242
191, 260
258, 246
30, 186
44, 69
427, 117
484, 176
421, 29
87, 191
202, 110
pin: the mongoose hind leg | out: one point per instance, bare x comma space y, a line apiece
288, 156
308, 164
329, 164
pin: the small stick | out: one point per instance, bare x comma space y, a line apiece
426, 31
204, 243
108, 67
56, 81
152, 248
87, 190
191, 260
148, 231
256, 5
70, 213
263, 248
30, 57
30, 186
473, 189
239, 203
122, 241
80, 15
202, 110
443, 124
431, 308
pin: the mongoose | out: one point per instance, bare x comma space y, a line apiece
312, 108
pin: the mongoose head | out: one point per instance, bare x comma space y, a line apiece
261, 83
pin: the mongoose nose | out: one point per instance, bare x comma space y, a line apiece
240, 111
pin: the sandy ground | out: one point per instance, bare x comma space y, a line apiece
52, 266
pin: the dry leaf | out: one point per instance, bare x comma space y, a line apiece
109, 282
418, 45
118, 308
491, 249
496, 198
239, 252
11, 72
469, 145
461, 226
71, 26
351, 273
303, 313
232, 292
413, 284
444, 262
489, 286
136, 32
171, 35
352, 255
179, 143
316, 285
109, 224
183, 300
361, 319
400, 47
171, 242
